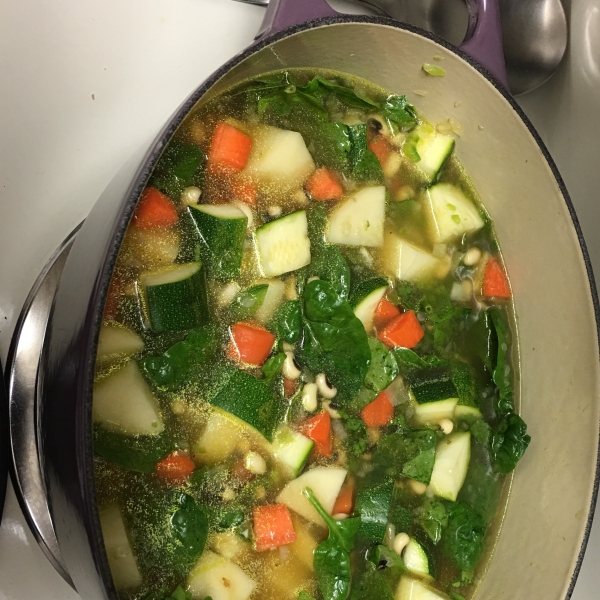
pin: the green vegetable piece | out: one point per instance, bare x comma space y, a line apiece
363, 165
408, 359
433, 70
383, 368
273, 367
304, 595
378, 580
319, 86
334, 340
174, 366
399, 113
231, 518
373, 505
464, 380
455, 596
502, 374
356, 442
330, 144
431, 384
247, 302
433, 518
246, 397
331, 557
287, 321
180, 166
509, 442
329, 265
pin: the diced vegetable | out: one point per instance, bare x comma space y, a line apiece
154, 209
415, 558
273, 527
318, 429
379, 412
272, 300
373, 504
344, 503
116, 341
366, 298
222, 229
326, 483
434, 412
230, 148
122, 561
358, 221
175, 468
384, 313
291, 448
280, 157
452, 457
176, 297
405, 261
429, 384
495, 282
290, 387
413, 589
432, 147
324, 185
381, 148
467, 413
283, 244
123, 402
451, 213
220, 579
250, 344
404, 331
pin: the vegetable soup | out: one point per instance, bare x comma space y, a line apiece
306, 367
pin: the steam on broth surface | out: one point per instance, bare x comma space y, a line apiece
306, 367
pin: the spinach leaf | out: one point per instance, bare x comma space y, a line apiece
180, 166
273, 367
481, 431
363, 165
356, 442
455, 596
329, 144
320, 86
247, 302
173, 366
373, 505
464, 380
374, 581
383, 368
408, 359
287, 321
462, 539
332, 557
482, 338
334, 340
433, 518
399, 113
502, 374
509, 442
304, 595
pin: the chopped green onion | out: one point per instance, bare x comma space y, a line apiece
433, 70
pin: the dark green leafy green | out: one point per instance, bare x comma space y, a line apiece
304, 595
273, 367
464, 380
377, 582
455, 596
509, 442
481, 431
363, 165
398, 113
287, 322
502, 374
356, 441
383, 368
433, 518
180, 166
408, 359
175, 365
178, 594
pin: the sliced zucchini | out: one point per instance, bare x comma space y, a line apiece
222, 229
175, 297
452, 456
451, 213
124, 402
325, 482
280, 157
413, 589
467, 413
272, 300
116, 342
365, 299
431, 384
433, 149
283, 244
218, 578
358, 221
121, 559
415, 558
219, 437
405, 261
434, 412
291, 448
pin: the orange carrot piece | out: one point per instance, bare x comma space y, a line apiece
345, 500
245, 191
381, 148
175, 468
404, 331
379, 412
273, 527
324, 185
318, 429
289, 387
230, 148
154, 209
385, 312
250, 343
495, 282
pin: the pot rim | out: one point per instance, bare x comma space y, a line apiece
152, 157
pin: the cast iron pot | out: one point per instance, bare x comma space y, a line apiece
51, 364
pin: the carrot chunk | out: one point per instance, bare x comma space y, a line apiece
324, 185
385, 312
250, 343
230, 148
318, 429
244, 191
379, 412
403, 330
381, 148
273, 527
345, 500
495, 282
175, 468
154, 209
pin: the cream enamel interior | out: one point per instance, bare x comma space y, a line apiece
549, 505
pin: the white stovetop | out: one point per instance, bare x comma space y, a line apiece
83, 83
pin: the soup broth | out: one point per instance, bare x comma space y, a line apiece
306, 366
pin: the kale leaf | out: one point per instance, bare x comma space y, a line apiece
509, 442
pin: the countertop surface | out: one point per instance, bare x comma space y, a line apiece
83, 84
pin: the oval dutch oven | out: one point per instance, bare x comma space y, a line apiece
51, 364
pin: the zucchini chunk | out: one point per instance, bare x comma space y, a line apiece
291, 449
222, 229
415, 558
358, 221
434, 412
176, 297
413, 589
452, 456
124, 402
433, 148
451, 213
116, 342
283, 244
405, 261
272, 300
365, 299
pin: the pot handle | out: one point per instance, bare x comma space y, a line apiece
284, 13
